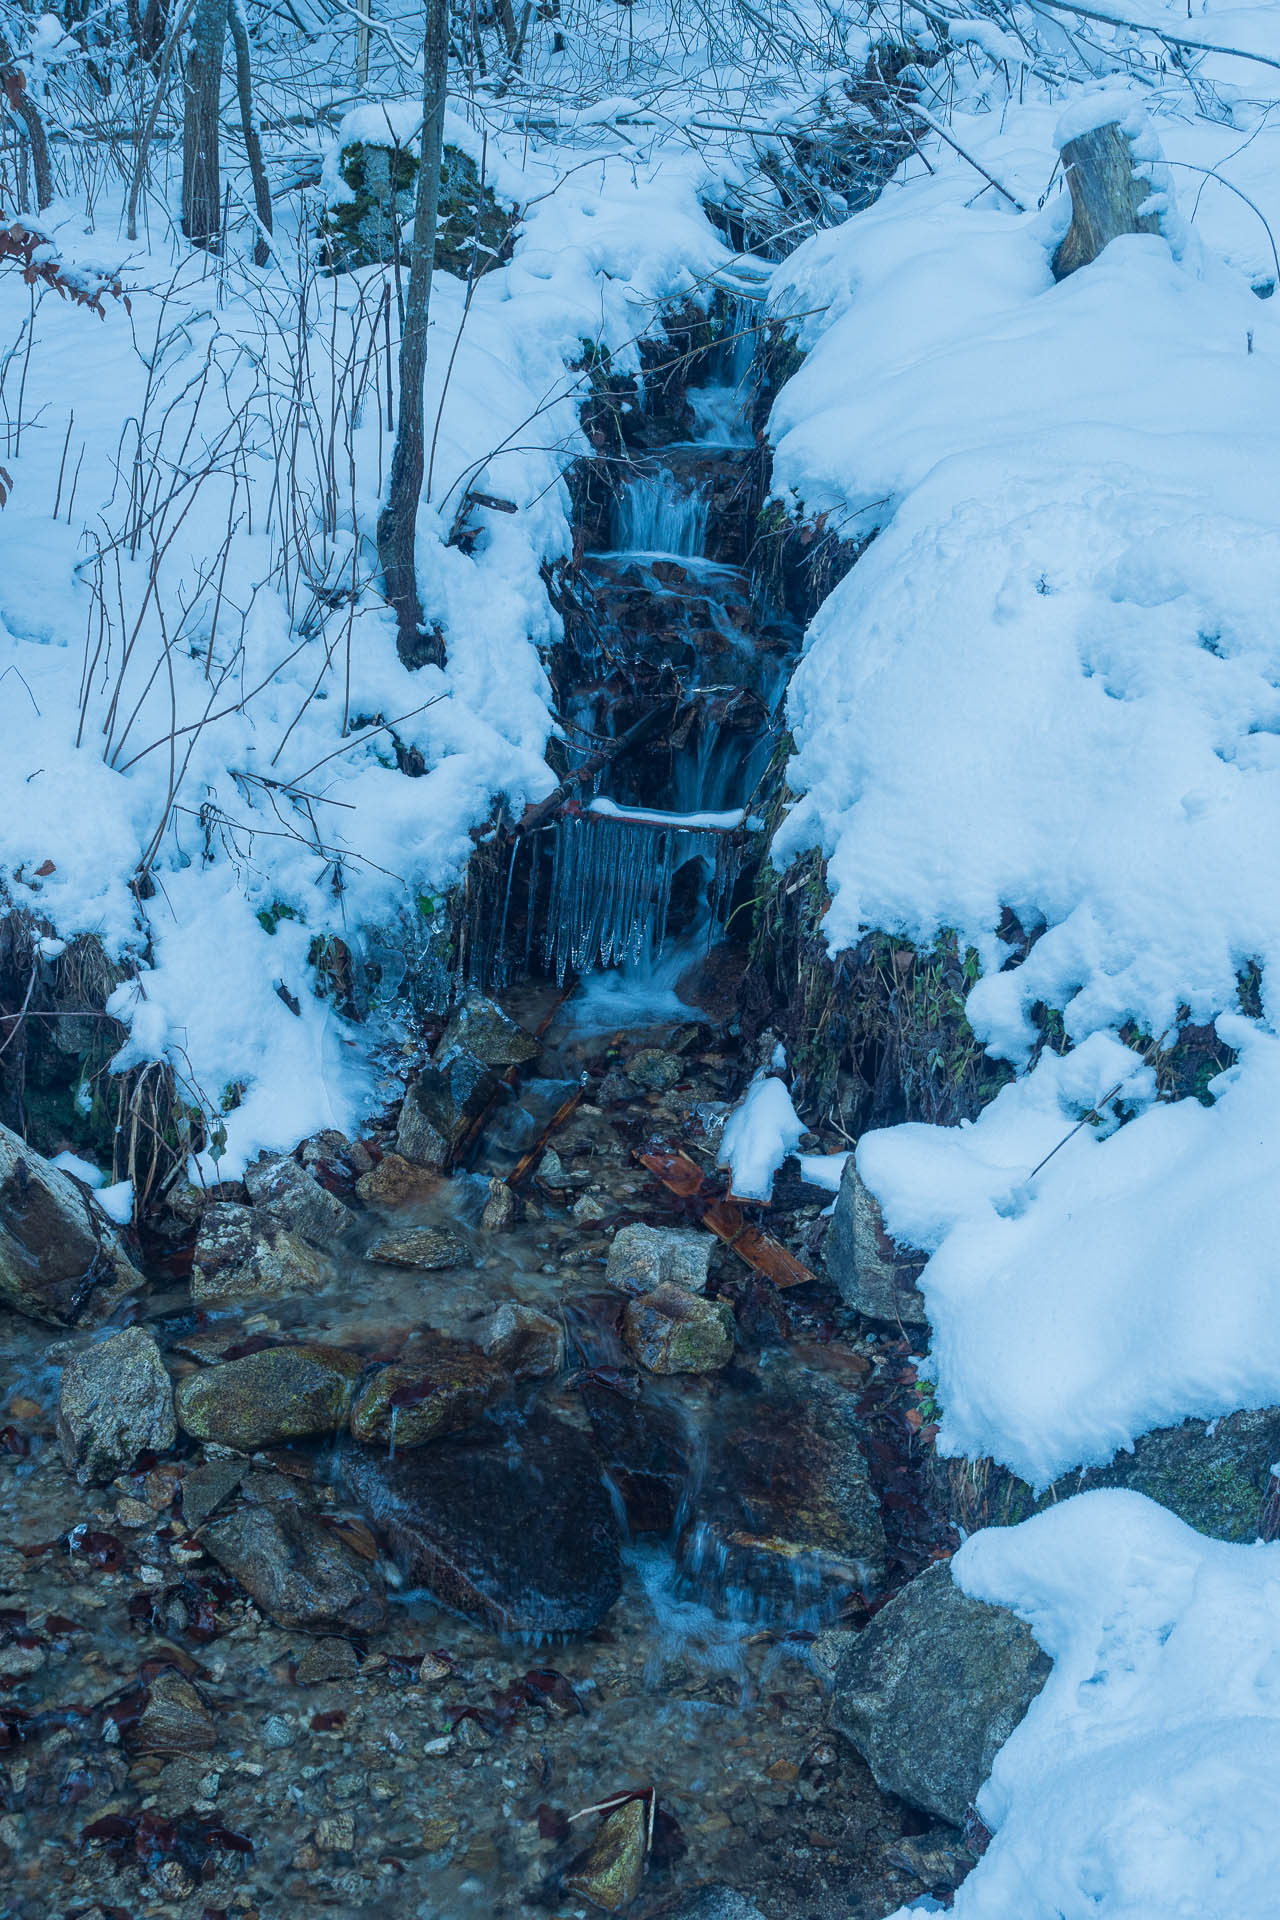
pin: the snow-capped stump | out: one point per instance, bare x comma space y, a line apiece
931, 1689
674, 1331
1108, 197
279, 1393
115, 1403
61, 1259
240, 1255
295, 1198
875, 1276
642, 1258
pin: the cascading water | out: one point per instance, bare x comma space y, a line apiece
655, 516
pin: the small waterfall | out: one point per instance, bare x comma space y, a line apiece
655, 516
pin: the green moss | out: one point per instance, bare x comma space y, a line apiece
366, 230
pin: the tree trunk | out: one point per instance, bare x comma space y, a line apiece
396, 524
201, 184
252, 144
1105, 197
13, 85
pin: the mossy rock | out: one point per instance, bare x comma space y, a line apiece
366, 230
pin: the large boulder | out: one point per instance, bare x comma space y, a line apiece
513, 1526
278, 1393
932, 1688
294, 1197
61, 1259
299, 1572
442, 1104
115, 1403
875, 1277
240, 1255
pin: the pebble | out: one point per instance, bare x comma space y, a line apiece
336, 1833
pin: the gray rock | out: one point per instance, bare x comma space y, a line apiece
490, 1034
499, 1209
874, 1276
298, 1572
655, 1070
397, 1182
641, 1258
441, 1104
674, 1331
714, 1903
115, 1403
281, 1393
932, 1688
207, 1487
430, 1249
61, 1260
292, 1196
174, 1720
239, 1255
327, 1659
420, 1399
526, 1342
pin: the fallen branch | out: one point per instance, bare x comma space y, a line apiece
540, 810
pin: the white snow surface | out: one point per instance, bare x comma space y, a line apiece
1144, 1781
758, 1136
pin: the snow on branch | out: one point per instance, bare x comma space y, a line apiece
31, 244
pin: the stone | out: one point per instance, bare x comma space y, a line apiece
655, 1070
61, 1260
674, 1331
490, 1034
610, 1872
714, 1903
174, 1720
499, 1209
442, 1103
650, 1447
327, 1659
429, 1249
874, 1276
297, 1571
115, 1403
205, 1488
524, 1341
419, 1400
397, 1182
292, 1196
513, 1527
239, 1255
336, 1833
930, 1690
592, 1206
279, 1393
641, 1258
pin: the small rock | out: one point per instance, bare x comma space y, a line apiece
292, 1196
615, 1088
327, 1659
278, 1732
674, 1331
529, 1344
433, 1670
397, 1182
336, 1833
419, 1400
429, 1249
490, 1034
134, 1513
115, 1403
610, 1872
551, 1168
642, 1258
499, 1209
594, 1205
19, 1662
299, 1572
437, 1830
441, 1105
280, 1393
875, 1277
655, 1070
61, 1259
174, 1720
931, 1689
205, 1488
239, 1255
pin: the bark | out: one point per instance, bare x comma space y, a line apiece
396, 524
201, 182
253, 146
1105, 197
13, 85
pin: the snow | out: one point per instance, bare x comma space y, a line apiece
758, 1135
1145, 1778
716, 822
823, 1169
82, 1170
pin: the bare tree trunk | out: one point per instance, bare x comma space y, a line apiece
396, 523
13, 85
252, 144
201, 184
144, 139
1105, 196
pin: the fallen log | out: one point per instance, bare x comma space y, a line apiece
765, 1255
540, 810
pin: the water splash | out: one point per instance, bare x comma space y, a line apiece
655, 516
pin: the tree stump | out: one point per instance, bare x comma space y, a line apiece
1105, 196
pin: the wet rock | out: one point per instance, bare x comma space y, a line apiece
115, 1402
174, 1720
592, 1206
642, 1258
239, 1255
875, 1277
327, 1659
674, 1331
610, 1872
280, 1393
397, 1182
61, 1259
714, 1903
420, 1400
430, 1249
206, 1487
298, 1571
294, 1198
932, 1688
649, 1447
499, 1209
654, 1070
490, 1034
441, 1105
513, 1527
525, 1342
